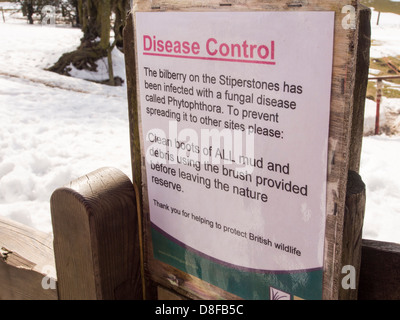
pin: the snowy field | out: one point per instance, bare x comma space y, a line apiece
380, 154
54, 129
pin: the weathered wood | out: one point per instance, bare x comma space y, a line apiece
150, 290
360, 88
352, 230
343, 84
27, 254
165, 294
96, 243
26, 259
355, 190
379, 273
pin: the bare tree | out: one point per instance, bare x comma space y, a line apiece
95, 22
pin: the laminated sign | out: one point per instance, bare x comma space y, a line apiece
234, 111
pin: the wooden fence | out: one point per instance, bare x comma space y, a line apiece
96, 247
379, 85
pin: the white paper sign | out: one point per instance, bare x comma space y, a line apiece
235, 117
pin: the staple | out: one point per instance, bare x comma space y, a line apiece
295, 5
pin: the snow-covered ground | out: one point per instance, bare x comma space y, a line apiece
380, 154
54, 129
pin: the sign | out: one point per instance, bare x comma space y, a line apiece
234, 111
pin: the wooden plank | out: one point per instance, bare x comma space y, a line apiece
352, 231
165, 294
345, 49
355, 190
379, 273
96, 242
26, 259
360, 88
150, 290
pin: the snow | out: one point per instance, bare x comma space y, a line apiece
385, 36
380, 172
379, 159
54, 129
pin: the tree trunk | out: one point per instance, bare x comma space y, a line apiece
104, 14
104, 18
89, 51
95, 19
81, 13
30, 11
111, 81
121, 8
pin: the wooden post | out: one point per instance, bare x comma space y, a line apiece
352, 234
149, 289
96, 243
360, 89
342, 121
379, 273
355, 190
27, 270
